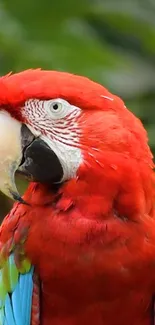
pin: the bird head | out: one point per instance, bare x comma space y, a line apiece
57, 127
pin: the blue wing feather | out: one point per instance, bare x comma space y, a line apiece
9, 318
16, 308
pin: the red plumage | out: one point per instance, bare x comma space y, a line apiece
92, 242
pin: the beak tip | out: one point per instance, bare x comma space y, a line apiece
17, 197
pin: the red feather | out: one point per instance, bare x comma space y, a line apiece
93, 271
93, 242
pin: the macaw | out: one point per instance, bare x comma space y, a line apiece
78, 248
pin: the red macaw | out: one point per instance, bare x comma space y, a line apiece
79, 247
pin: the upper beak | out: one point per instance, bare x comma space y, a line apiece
21, 151
10, 153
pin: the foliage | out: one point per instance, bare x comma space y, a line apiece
110, 41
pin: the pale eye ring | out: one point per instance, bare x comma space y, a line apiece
56, 108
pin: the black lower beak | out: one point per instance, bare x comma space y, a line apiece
39, 163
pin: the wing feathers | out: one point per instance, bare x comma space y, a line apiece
16, 292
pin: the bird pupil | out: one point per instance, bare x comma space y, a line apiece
55, 106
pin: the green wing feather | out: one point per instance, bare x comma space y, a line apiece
14, 264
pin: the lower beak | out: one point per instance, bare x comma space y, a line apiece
20, 151
40, 163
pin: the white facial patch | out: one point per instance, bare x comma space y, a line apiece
56, 123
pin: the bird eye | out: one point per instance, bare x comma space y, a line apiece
56, 109
56, 106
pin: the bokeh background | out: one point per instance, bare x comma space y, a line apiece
110, 41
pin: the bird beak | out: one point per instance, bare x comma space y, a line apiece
10, 153
25, 153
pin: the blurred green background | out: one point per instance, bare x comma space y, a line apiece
112, 42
